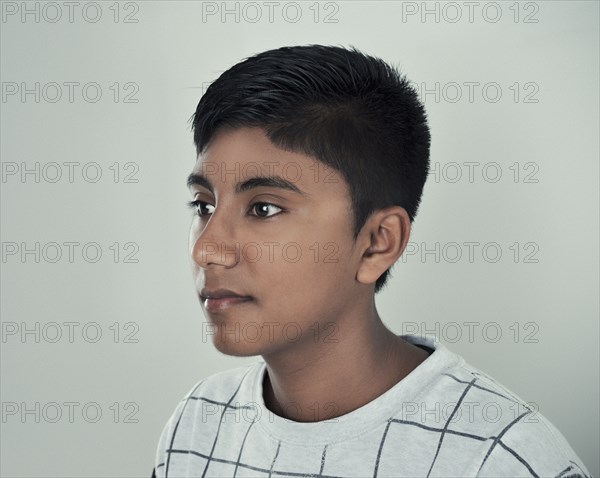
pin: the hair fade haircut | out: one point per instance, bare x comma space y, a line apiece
350, 111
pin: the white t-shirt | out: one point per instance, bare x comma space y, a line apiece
445, 418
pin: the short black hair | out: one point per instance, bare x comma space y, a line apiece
351, 111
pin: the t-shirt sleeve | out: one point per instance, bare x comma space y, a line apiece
166, 436
163, 445
531, 448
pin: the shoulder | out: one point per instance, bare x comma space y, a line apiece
218, 388
516, 439
221, 385
208, 396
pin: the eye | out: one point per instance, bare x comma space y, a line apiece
263, 206
197, 206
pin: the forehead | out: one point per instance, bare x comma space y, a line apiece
234, 156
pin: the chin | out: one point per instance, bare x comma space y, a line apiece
237, 348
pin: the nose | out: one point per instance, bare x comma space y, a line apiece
213, 243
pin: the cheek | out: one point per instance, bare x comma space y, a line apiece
306, 270
300, 295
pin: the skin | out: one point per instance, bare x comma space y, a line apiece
313, 319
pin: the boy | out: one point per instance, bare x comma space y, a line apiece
310, 169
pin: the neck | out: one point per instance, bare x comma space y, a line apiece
345, 368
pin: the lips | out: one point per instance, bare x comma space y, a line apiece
219, 305
221, 294
217, 300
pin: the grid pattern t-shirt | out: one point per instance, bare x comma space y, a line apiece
444, 419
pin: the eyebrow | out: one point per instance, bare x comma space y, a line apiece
248, 184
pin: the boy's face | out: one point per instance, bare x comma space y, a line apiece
295, 257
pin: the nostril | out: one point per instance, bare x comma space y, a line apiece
224, 253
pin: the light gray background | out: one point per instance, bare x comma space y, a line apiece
172, 54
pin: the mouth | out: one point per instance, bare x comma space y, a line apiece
222, 303
220, 299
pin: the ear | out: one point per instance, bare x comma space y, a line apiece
385, 236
